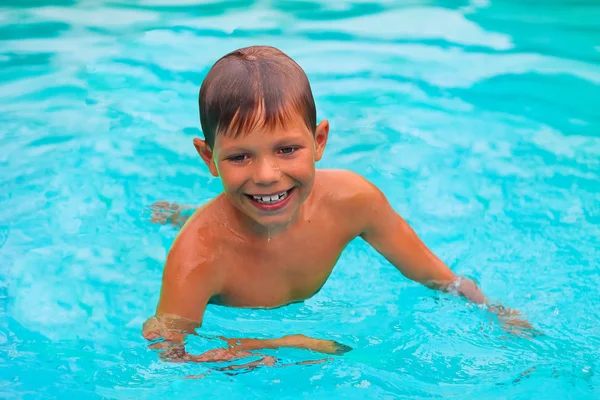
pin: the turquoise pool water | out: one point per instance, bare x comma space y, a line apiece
479, 119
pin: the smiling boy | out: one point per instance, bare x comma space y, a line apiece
275, 233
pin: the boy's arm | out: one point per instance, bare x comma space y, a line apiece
186, 289
391, 236
184, 295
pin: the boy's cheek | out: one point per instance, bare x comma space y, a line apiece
230, 181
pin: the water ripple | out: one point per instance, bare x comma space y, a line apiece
477, 118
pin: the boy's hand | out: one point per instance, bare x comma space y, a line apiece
322, 346
510, 319
512, 322
164, 212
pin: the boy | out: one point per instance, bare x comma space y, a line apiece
275, 233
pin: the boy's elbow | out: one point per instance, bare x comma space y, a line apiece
169, 345
151, 329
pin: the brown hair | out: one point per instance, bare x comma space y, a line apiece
252, 87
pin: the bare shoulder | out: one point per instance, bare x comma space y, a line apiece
347, 193
191, 275
347, 188
193, 250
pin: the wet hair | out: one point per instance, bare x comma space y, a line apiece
252, 88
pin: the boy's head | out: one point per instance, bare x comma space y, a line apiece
261, 137
254, 87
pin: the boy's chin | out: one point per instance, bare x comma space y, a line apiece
273, 222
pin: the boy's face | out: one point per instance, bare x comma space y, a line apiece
267, 174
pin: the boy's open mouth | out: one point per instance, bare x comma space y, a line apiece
271, 202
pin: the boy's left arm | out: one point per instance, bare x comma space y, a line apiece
389, 234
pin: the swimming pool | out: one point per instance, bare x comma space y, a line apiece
478, 119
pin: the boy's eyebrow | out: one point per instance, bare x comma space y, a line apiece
235, 149
289, 138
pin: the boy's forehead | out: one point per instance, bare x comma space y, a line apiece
291, 127
264, 134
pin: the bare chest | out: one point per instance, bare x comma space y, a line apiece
279, 271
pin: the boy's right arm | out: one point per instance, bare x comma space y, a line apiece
187, 286
186, 290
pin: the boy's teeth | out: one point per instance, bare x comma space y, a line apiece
271, 199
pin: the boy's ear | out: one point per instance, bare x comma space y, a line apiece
207, 155
321, 135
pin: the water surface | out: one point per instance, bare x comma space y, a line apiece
479, 120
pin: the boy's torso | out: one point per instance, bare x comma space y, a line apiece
287, 267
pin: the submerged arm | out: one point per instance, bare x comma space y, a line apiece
185, 292
168, 334
290, 341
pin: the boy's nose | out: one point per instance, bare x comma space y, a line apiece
266, 172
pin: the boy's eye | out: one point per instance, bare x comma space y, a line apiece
287, 150
237, 158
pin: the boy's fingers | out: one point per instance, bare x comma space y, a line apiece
520, 327
162, 206
341, 348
